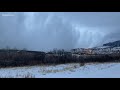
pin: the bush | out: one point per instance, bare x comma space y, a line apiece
82, 64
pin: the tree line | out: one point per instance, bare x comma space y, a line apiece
11, 57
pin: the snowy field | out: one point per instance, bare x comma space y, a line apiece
106, 70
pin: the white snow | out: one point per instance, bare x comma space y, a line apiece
102, 47
106, 70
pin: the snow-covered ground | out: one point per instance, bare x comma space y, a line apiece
106, 70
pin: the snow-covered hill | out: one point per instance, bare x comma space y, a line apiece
113, 44
106, 70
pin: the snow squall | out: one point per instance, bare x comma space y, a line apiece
49, 30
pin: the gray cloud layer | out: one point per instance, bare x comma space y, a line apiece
48, 30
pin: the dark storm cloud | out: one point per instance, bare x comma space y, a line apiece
96, 19
11, 28
48, 30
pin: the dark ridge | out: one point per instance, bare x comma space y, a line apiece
113, 44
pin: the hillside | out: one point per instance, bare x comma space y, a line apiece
113, 44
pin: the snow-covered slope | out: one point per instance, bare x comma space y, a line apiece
102, 47
106, 70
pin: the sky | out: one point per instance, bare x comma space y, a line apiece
63, 30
